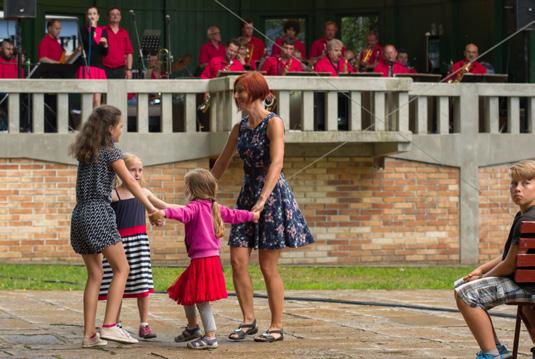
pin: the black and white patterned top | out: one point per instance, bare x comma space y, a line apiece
93, 224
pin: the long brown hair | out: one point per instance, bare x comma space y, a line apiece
201, 184
95, 133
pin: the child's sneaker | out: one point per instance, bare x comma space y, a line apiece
189, 334
145, 332
504, 352
482, 355
93, 342
117, 334
203, 343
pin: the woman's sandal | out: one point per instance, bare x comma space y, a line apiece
239, 334
268, 337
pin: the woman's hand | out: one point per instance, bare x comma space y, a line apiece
259, 205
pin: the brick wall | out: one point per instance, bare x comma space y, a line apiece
405, 213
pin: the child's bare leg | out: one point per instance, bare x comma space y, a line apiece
97, 97
479, 323
143, 307
93, 264
119, 265
191, 315
207, 317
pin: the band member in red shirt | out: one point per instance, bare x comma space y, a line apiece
50, 50
243, 54
226, 63
8, 61
118, 62
333, 62
213, 48
319, 46
291, 30
468, 64
390, 65
403, 58
255, 45
285, 62
370, 56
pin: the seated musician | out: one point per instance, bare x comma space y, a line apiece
8, 70
244, 54
254, 45
403, 58
290, 31
370, 56
468, 64
390, 65
154, 69
284, 62
213, 48
333, 62
226, 63
50, 50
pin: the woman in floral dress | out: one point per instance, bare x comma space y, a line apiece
259, 140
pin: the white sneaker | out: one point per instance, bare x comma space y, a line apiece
117, 335
93, 342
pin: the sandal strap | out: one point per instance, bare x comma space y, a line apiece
273, 331
250, 325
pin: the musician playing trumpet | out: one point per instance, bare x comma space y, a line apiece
285, 62
370, 56
468, 64
227, 63
334, 62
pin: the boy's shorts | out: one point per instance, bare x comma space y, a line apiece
487, 293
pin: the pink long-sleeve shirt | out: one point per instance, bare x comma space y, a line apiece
201, 241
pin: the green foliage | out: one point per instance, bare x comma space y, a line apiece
355, 29
70, 277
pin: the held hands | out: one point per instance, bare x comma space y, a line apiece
259, 205
256, 216
157, 218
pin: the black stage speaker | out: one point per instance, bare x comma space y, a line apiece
525, 13
18, 9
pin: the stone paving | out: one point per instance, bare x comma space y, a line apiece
39, 324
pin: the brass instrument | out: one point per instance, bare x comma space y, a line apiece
166, 60
286, 67
249, 55
205, 105
367, 56
344, 69
459, 76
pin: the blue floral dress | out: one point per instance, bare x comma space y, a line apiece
281, 223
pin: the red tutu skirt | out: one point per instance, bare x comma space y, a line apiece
91, 72
202, 281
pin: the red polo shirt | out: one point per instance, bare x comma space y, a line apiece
119, 46
208, 51
219, 64
276, 48
9, 68
475, 68
319, 48
275, 65
325, 65
397, 68
50, 47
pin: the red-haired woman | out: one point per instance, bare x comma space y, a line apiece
95, 42
259, 139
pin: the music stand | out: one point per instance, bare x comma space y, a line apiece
150, 44
362, 74
53, 71
300, 73
419, 77
230, 73
485, 78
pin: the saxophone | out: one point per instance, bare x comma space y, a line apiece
250, 51
345, 67
286, 67
205, 105
367, 56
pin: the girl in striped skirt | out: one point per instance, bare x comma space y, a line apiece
131, 224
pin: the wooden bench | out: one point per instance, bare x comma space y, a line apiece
525, 273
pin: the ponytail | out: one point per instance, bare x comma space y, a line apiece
219, 227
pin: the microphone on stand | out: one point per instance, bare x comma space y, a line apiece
168, 33
132, 12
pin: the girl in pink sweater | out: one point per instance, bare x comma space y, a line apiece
203, 281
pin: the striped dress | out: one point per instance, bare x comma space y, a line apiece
132, 227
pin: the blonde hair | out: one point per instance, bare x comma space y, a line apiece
129, 159
523, 170
201, 184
